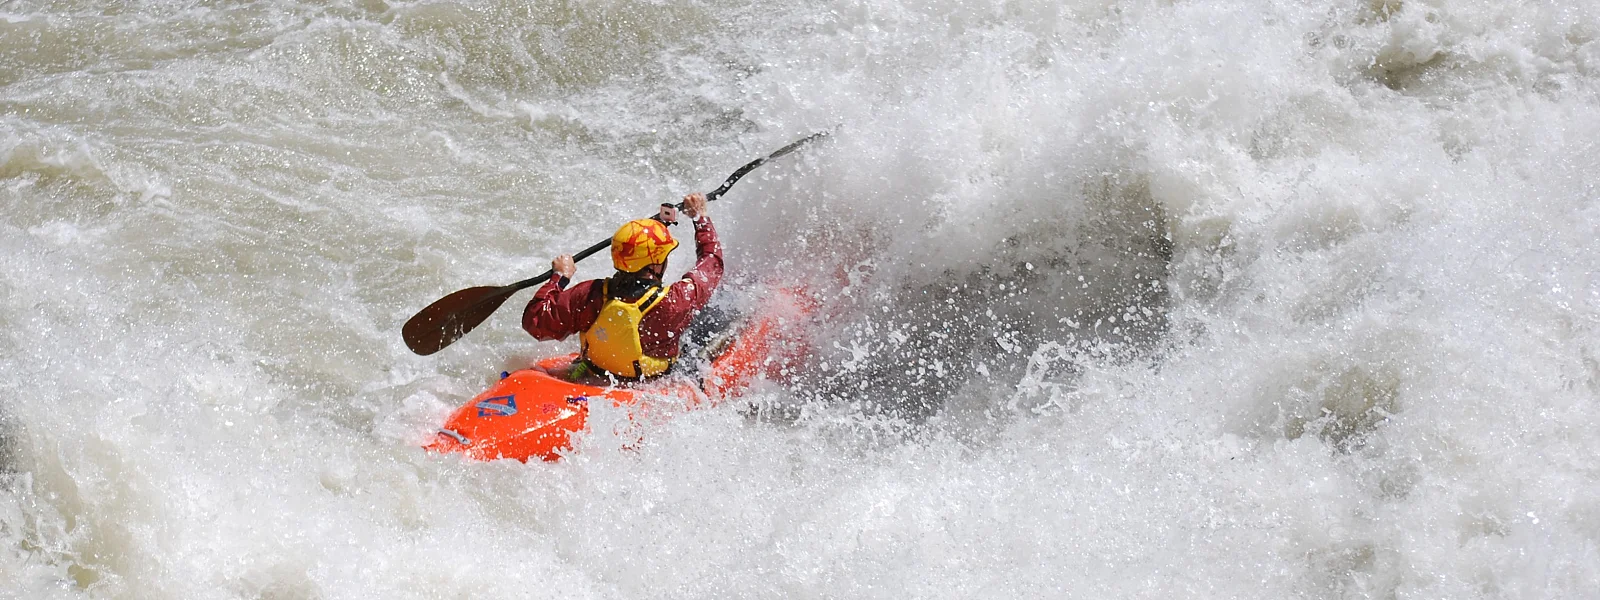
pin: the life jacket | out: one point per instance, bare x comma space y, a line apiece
612, 343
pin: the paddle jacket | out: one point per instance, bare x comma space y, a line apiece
557, 311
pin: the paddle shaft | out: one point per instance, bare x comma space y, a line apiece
710, 196
447, 319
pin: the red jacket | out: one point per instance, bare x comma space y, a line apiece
555, 312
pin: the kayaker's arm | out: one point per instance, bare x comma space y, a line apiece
696, 286
555, 313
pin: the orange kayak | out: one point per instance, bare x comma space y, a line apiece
536, 412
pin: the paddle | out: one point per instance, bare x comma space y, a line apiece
445, 321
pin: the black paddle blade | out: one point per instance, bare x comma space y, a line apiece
445, 321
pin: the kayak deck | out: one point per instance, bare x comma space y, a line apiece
536, 412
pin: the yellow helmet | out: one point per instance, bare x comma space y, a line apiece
641, 243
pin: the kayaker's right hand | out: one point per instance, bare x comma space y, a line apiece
564, 266
694, 205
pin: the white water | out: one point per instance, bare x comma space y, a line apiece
1357, 243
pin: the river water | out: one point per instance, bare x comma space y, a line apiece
1123, 299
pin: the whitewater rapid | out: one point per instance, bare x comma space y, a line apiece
1126, 299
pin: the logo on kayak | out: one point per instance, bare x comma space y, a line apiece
577, 399
499, 406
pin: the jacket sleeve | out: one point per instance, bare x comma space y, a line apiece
696, 286
555, 313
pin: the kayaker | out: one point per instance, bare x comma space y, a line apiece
630, 324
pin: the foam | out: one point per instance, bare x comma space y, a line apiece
1125, 299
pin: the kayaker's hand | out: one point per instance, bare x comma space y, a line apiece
564, 266
694, 205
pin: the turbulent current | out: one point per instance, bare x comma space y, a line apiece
1121, 299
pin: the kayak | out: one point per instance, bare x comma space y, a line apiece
537, 412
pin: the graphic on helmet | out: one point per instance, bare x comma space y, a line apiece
641, 243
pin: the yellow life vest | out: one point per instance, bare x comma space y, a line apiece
612, 343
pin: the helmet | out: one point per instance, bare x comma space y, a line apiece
641, 243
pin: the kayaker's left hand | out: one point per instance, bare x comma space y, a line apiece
564, 266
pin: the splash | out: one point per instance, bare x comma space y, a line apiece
1123, 298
